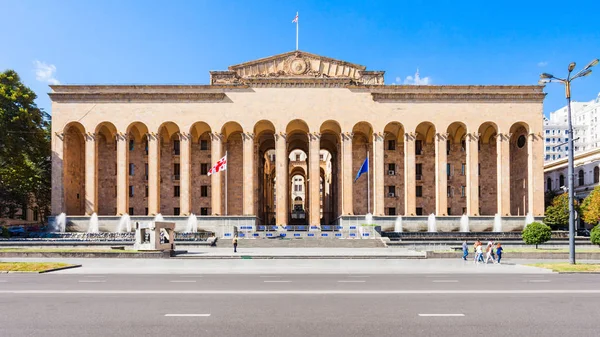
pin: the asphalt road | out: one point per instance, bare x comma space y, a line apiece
299, 305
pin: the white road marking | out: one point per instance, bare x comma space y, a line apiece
352, 281
91, 281
538, 281
269, 276
307, 292
187, 315
358, 276
441, 315
445, 281
95, 276
183, 281
277, 281
191, 276
2, 280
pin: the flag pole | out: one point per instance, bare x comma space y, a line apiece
297, 30
226, 174
368, 185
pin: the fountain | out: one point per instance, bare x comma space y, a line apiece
61, 223
528, 219
158, 217
93, 226
497, 223
369, 219
464, 223
192, 224
398, 225
124, 224
431, 227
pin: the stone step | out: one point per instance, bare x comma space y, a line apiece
305, 243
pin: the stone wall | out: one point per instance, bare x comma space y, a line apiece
488, 185
427, 159
360, 145
167, 180
198, 179
457, 157
74, 172
139, 159
107, 175
235, 171
394, 157
518, 173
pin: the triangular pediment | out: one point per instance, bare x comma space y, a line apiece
296, 65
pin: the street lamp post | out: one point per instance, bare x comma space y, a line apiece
546, 78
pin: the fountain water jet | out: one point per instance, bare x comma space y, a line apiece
431, 226
497, 223
158, 217
528, 219
464, 223
61, 223
398, 225
124, 224
192, 224
93, 226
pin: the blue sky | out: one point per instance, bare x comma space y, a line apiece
172, 42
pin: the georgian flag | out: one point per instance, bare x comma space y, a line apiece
221, 165
295, 19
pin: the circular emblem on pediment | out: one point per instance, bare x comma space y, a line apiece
299, 66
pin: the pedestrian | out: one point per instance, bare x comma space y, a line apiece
488, 253
499, 252
235, 239
491, 243
465, 249
479, 253
475, 250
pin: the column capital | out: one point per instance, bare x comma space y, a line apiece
346, 136
90, 137
120, 136
248, 135
184, 136
280, 135
503, 136
378, 136
60, 135
152, 136
474, 136
216, 136
442, 136
312, 136
411, 136
535, 136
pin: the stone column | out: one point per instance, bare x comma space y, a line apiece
410, 196
185, 163
281, 176
90, 174
153, 173
58, 197
378, 174
441, 173
248, 160
503, 173
472, 144
347, 179
122, 174
535, 176
216, 153
314, 175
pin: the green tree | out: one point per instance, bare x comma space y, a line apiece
590, 208
24, 147
595, 235
557, 214
536, 233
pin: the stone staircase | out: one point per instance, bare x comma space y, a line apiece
305, 243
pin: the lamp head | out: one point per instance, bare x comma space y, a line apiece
571, 66
546, 76
591, 64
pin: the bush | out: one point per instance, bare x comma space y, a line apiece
536, 233
591, 207
595, 235
4, 232
557, 214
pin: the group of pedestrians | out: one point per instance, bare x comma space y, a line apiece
478, 249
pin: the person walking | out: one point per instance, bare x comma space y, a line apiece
465, 249
499, 252
235, 242
488, 253
479, 253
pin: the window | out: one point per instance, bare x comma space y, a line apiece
547, 148
448, 147
203, 169
131, 211
131, 190
146, 171
548, 184
479, 191
176, 191
463, 169
392, 211
419, 211
321, 157
392, 167
131, 169
176, 147
561, 181
146, 211
449, 191
147, 193
479, 169
392, 191
131, 145
463, 145
448, 169
204, 211
176, 170
521, 141
203, 144
449, 211
418, 147
391, 145
581, 178
204, 191
297, 157
547, 132
146, 146
462, 191
176, 211
419, 191
464, 210
419, 170
596, 175
36, 215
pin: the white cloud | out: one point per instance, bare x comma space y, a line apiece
45, 72
414, 80
542, 63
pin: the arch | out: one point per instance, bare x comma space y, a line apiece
456, 166
263, 126
364, 128
74, 168
488, 169
297, 125
561, 181
169, 168
596, 175
137, 158
516, 126
137, 131
74, 126
425, 132
167, 130
230, 128
581, 177
549, 184
107, 129
395, 131
331, 126
519, 169
487, 131
457, 132
198, 129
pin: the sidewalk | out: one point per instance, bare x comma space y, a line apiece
301, 253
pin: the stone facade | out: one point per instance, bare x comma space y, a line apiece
336, 106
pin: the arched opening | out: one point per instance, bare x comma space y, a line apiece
137, 159
581, 178
106, 163
297, 154
326, 187
596, 175
169, 169
330, 163
362, 147
425, 169
264, 138
234, 147
456, 168
519, 168
200, 164
298, 187
561, 181
488, 169
74, 168
549, 184
393, 169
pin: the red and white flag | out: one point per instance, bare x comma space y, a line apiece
295, 19
221, 165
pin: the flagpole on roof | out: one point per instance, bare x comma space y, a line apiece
297, 30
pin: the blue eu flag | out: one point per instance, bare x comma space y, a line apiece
363, 169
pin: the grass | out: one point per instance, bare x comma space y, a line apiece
566, 267
34, 267
64, 250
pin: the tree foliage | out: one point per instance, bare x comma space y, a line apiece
24, 147
557, 214
536, 233
595, 235
591, 207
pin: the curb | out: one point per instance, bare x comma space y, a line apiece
153, 255
41, 272
299, 257
580, 272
